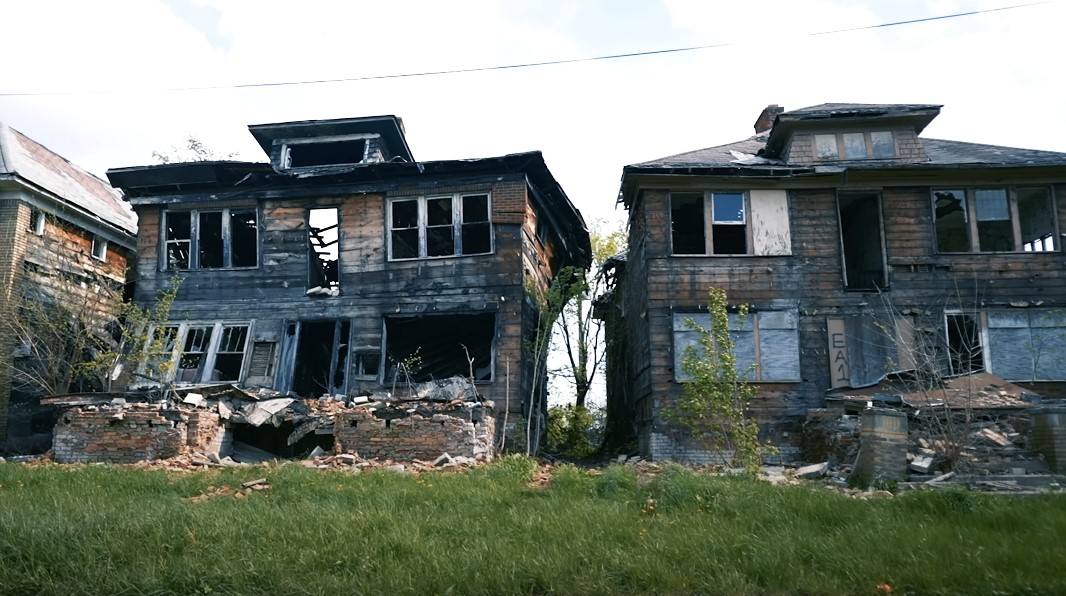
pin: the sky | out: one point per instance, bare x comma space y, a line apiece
102, 74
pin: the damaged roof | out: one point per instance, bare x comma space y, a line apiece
389, 127
24, 159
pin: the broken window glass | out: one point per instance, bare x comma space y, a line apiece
854, 145
436, 347
367, 363
861, 237
229, 357
178, 239
964, 343
1036, 219
440, 226
440, 239
952, 220
210, 236
244, 238
729, 236
321, 360
222, 239
994, 229
323, 234
197, 342
326, 154
686, 223
883, 145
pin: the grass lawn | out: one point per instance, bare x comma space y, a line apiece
114, 530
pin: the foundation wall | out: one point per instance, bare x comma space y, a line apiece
122, 436
470, 434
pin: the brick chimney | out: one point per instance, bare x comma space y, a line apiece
766, 119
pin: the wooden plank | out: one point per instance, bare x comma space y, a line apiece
839, 369
770, 229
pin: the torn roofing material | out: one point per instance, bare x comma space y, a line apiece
25, 159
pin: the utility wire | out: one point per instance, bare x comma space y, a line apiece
520, 65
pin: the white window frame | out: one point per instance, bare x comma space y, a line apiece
423, 225
37, 220
981, 323
211, 350
194, 239
99, 249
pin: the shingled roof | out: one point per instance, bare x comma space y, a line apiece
23, 158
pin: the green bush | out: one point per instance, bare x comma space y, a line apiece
569, 429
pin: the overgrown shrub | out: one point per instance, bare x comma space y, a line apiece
570, 429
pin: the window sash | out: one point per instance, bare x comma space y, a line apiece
994, 219
439, 237
717, 209
206, 342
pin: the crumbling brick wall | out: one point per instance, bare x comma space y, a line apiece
124, 435
404, 436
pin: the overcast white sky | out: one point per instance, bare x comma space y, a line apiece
996, 73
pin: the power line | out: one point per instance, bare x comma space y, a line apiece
520, 65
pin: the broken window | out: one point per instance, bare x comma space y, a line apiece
862, 242
727, 214
99, 248
323, 234
439, 346
366, 363
318, 351
211, 239
766, 343
330, 153
37, 219
441, 226
262, 362
825, 146
200, 352
965, 353
994, 220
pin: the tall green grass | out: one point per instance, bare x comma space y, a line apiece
110, 530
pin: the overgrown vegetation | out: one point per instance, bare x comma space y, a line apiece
570, 430
506, 529
712, 407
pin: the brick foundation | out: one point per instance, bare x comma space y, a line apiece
403, 436
883, 454
130, 435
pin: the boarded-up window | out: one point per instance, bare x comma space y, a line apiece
1028, 345
766, 343
862, 349
262, 364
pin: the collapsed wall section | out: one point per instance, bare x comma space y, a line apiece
404, 435
127, 435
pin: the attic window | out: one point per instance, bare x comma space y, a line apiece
37, 222
99, 248
331, 153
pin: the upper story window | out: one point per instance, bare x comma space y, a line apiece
99, 248
37, 218
855, 145
722, 223
211, 239
1004, 219
439, 226
326, 151
323, 236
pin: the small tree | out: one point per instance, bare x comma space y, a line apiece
193, 150
712, 406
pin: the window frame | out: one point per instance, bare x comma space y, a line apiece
709, 222
210, 351
422, 224
761, 347
99, 248
37, 221
980, 321
194, 238
285, 157
841, 152
1014, 214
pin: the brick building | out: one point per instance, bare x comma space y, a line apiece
861, 247
65, 237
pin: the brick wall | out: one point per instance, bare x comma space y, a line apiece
128, 435
14, 220
462, 431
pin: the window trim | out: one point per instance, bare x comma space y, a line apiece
423, 225
970, 215
37, 221
194, 239
285, 157
751, 324
981, 321
841, 146
709, 223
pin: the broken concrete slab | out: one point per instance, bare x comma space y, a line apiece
442, 460
812, 471
922, 464
317, 452
194, 399
258, 413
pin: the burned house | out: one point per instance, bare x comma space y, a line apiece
65, 238
860, 246
346, 267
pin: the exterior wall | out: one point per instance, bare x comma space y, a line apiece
14, 219
123, 436
922, 284
371, 286
467, 433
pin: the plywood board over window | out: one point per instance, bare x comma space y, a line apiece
766, 344
1028, 345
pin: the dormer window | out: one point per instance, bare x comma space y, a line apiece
855, 145
327, 151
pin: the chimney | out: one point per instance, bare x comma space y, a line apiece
766, 119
